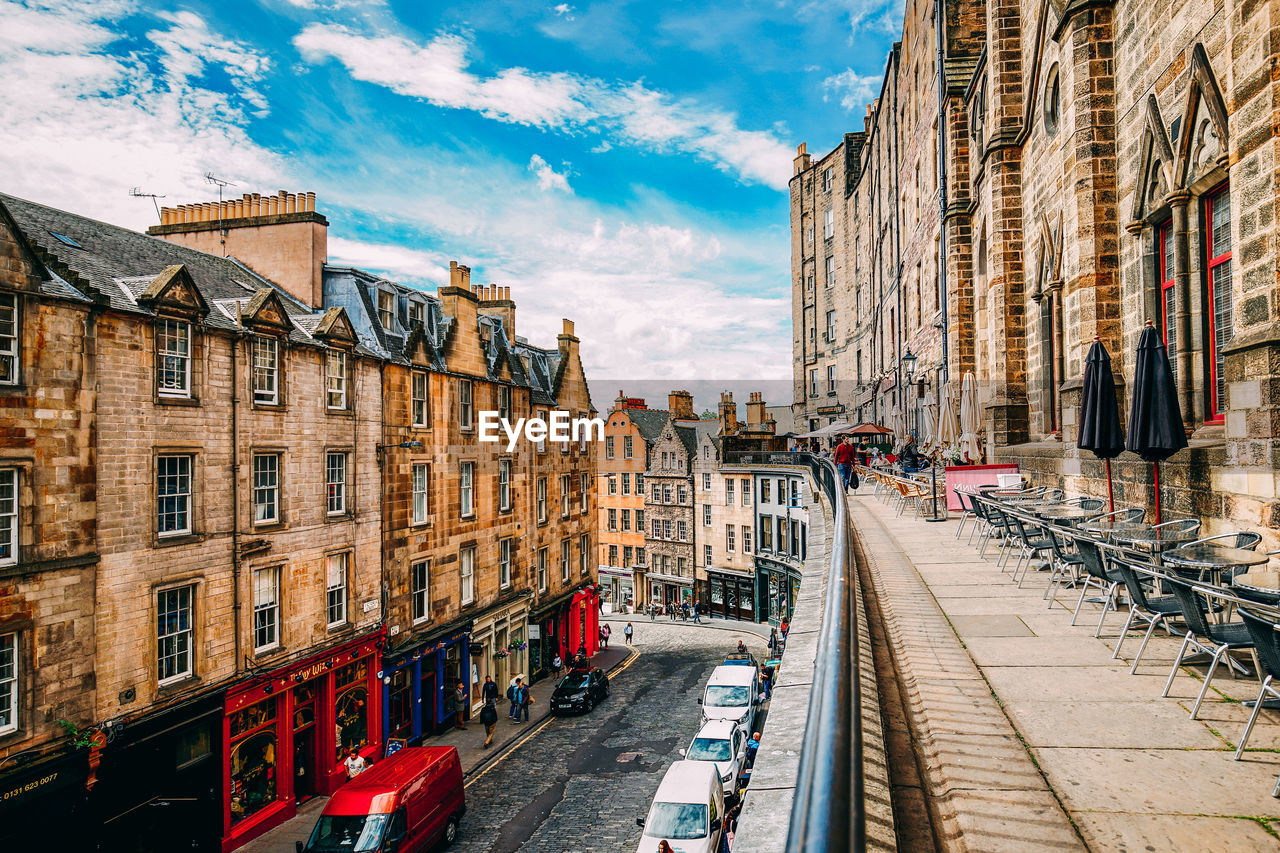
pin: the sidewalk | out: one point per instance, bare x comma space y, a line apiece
470, 744
1028, 734
639, 620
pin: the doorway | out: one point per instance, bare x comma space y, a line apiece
306, 757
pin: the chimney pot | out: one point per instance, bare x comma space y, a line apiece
293, 203
311, 201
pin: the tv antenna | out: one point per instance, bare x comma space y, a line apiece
137, 192
211, 178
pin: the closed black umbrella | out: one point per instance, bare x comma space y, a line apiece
1155, 421
1100, 431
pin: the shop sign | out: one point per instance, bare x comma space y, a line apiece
475, 649
831, 410
18, 789
535, 631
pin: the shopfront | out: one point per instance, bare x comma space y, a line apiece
561, 627
499, 640
730, 595
777, 585
286, 734
418, 683
669, 591
584, 622
42, 804
617, 589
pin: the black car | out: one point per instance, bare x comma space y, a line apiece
580, 690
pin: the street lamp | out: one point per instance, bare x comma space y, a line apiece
909, 364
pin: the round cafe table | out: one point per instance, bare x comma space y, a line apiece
1212, 559
1155, 540
1110, 527
1065, 514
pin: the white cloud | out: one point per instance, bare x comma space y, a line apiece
630, 113
409, 266
605, 145
548, 178
563, 10
853, 90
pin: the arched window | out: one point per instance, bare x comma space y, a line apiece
1052, 101
1216, 234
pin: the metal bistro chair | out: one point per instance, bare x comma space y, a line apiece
1245, 540
968, 510
1212, 639
1144, 606
1096, 576
1133, 515
1086, 503
1065, 561
1265, 631
1034, 542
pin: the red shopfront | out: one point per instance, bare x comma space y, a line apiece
583, 622
286, 735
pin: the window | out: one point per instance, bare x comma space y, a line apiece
706, 482
666, 493
584, 489
830, 271
466, 489
1168, 305
613, 485
764, 491
746, 493
664, 459
542, 500
1052, 101
421, 499
626, 520
504, 484
564, 495
386, 310
1218, 251
728, 491
584, 549
335, 479
467, 574
628, 447
504, 402
613, 519
657, 529
728, 538
706, 555
9, 352
266, 608
682, 531
335, 370
782, 491
418, 410
639, 484
173, 495
795, 492
706, 514
608, 447
682, 495
628, 556
682, 566
504, 563
813, 382
336, 589
831, 378
613, 555
421, 590
666, 528
828, 224
464, 404
828, 175
640, 520
174, 634
640, 557
266, 369
626, 484
8, 516
173, 358
782, 535
766, 533
657, 493
746, 539
566, 549
542, 569
8, 683
415, 312
266, 488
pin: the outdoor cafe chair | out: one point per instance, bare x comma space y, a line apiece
1245, 540
1144, 606
1095, 576
967, 511
1065, 562
1213, 639
1033, 541
1086, 503
1133, 515
1266, 640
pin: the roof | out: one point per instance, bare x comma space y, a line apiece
649, 421
688, 436
729, 673
374, 791
686, 782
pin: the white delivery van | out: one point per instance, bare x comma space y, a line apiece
732, 693
687, 812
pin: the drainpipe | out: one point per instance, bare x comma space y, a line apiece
943, 297
899, 321
236, 568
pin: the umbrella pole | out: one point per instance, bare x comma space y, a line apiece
1111, 498
1156, 474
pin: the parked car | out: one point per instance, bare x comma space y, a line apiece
724, 744
732, 693
743, 659
405, 803
687, 812
580, 691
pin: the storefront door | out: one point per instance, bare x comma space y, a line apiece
306, 758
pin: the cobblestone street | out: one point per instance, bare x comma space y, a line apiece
579, 783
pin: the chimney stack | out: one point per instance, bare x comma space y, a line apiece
728, 414
803, 159
280, 237
755, 411
680, 404
497, 300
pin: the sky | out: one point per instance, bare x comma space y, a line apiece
623, 164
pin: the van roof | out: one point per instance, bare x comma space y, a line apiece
374, 791
686, 782
732, 674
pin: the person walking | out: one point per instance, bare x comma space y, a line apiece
526, 699
355, 763
628, 632
605, 631
697, 613
653, 612
773, 641
786, 626
513, 696
460, 705
489, 690
489, 718
844, 461
556, 665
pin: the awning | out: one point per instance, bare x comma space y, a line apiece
822, 432
868, 429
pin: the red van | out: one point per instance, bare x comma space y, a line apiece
404, 803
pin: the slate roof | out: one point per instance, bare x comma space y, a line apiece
649, 421
688, 436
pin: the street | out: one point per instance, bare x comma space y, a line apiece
579, 783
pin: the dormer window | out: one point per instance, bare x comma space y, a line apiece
415, 312
386, 310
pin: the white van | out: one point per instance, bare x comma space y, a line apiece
687, 812
732, 693
724, 744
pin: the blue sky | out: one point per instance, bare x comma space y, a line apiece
623, 164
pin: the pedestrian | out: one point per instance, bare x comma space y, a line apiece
557, 664
773, 640
355, 763
786, 626
460, 703
628, 632
653, 612
673, 611
697, 613
526, 699
489, 692
605, 631
766, 683
753, 746
489, 717
582, 659
742, 647
664, 847
513, 696
844, 460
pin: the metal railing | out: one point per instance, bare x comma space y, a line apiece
827, 813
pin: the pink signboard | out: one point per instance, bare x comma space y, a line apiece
973, 475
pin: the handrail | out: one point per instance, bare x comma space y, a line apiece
827, 812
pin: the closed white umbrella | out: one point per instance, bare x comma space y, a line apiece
929, 422
947, 429
970, 418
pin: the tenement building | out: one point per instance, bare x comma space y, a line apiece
247, 520
1104, 165
670, 537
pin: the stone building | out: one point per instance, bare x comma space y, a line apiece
630, 430
670, 536
1106, 164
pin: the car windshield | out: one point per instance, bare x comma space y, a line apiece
676, 820
727, 697
708, 749
577, 681
348, 833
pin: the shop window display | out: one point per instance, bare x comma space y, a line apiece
253, 760
351, 708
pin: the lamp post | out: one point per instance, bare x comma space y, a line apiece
908, 373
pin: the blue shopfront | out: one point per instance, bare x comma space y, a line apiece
418, 685
777, 587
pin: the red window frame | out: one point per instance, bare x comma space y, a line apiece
1164, 274
1216, 258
